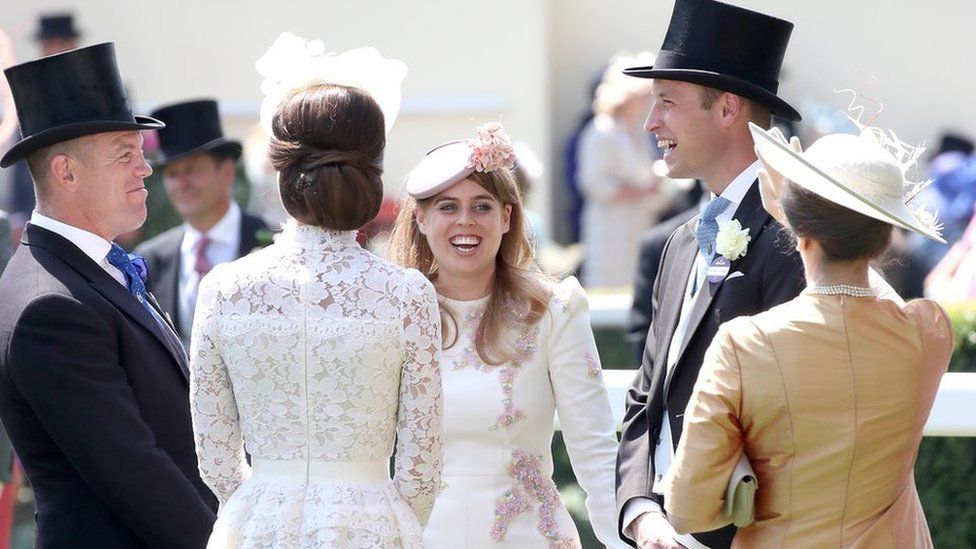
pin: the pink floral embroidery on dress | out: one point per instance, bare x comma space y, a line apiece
563, 304
592, 366
530, 487
523, 352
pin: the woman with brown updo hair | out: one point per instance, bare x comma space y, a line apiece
826, 395
517, 348
314, 355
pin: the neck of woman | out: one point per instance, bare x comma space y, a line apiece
822, 272
465, 287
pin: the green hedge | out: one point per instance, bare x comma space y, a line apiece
945, 472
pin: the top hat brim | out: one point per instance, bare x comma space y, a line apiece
46, 35
221, 144
794, 166
724, 82
65, 132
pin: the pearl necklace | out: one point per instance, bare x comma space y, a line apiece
842, 289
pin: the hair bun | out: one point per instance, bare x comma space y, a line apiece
320, 158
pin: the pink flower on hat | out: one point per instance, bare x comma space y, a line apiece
491, 149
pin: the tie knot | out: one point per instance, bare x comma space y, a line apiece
202, 243
716, 206
202, 264
707, 228
118, 258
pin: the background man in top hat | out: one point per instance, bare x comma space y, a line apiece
56, 33
717, 69
94, 386
199, 165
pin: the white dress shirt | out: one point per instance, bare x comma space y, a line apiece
664, 450
90, 244
225, 239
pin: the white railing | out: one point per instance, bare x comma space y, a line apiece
952, 414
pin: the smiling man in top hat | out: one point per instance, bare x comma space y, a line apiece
199, 165
94, 387
717, 70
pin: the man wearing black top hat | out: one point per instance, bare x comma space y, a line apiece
717, 69
56, 33
94, 386
199, 165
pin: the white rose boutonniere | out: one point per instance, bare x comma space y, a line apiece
732, 240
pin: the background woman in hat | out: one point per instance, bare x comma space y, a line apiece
616, 157
517, 348
314, 351
827, 394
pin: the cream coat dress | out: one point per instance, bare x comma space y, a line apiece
498, 422
827, 396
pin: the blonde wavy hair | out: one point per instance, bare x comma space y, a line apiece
520, 291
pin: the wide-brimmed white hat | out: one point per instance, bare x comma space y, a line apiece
854, 171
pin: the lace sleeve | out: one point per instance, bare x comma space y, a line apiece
420, 429
220, 446
584, 407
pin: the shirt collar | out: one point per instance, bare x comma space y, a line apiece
91, 244
739, 186
224, 231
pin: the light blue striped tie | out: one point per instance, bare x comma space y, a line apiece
707, 228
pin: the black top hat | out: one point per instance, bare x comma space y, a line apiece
725, 47
68, 95
951, 142
192, 127
57, 26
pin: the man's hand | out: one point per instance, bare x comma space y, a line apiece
771, 182
653, 531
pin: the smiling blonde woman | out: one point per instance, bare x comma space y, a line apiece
517, 349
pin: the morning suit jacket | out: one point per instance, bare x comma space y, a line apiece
95, 397
162, 254
6, 450
769, 274
648, 260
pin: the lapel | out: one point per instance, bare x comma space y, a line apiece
104, 284
681, 252
751, 215
169, 278
248, 234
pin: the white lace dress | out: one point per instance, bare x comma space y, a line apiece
498, 490
313, 355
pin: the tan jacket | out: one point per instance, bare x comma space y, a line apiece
827, 395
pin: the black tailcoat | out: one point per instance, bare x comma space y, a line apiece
95, 397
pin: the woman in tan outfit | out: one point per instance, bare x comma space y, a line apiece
826, 394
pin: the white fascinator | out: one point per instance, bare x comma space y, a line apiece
293, 63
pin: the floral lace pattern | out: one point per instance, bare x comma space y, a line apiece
315, 349
531, 487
